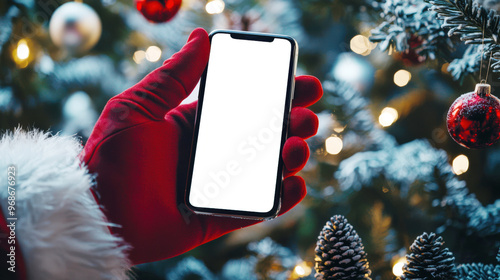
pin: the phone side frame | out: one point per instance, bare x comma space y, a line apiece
284, 135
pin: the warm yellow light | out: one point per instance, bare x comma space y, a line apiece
333, 145
338, 128
23, 51
299, 270
215, 6
361, 45
139, 56
388, 116
153, 54
397, 268
460, 164
402, 78
302, 269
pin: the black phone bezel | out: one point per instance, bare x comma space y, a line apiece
253, 36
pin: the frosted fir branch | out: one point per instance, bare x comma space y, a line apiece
478, 271
468, 20
474, 25
468, 63
350, 108
96, 72
191, 267
6, 25
417, 163
427, 21
410, 20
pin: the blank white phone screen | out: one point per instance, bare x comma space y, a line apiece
241, 122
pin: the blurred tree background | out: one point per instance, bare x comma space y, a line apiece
382, 157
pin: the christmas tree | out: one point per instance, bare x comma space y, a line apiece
382, 157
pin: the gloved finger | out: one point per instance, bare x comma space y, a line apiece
295, 155
294, 190
165, 88
308, 91
184, 115
303, 123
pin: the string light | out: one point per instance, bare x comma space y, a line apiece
333, 145
361, 45
139, 56
402, 78
388, 116
301, 270
215, 7
397, 268
153, 53
460, 164
23, 51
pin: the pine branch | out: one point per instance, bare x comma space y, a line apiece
350, 108
380, 239
6, 25
191, 268
478, 271
410, 20
479, 220
86, 73
418, 162
497, 267
468, 20
473, 24
469, 63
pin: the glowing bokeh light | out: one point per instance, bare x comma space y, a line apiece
23, 51
460, 164
397, 268
153, 53
402, 78
215, 7
302, 269
139, 56
361, 45
333, 145
388, 116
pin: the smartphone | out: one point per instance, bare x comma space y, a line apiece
241, 125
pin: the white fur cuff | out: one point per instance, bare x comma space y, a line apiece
61, 230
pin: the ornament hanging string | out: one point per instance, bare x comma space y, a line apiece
488, 69
484, 81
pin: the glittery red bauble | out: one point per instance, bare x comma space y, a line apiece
474, 118
158, 10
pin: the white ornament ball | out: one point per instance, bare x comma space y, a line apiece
75, 27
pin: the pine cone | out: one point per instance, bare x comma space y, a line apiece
429, 260
340, 254
477, 271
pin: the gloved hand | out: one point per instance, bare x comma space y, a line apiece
140, 149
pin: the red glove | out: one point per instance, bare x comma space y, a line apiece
140, 150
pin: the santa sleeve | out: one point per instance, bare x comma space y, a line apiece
51, 226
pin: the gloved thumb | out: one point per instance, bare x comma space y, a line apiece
164, 88
188, 64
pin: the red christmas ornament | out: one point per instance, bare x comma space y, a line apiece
474, 118
410, 57
158, 10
